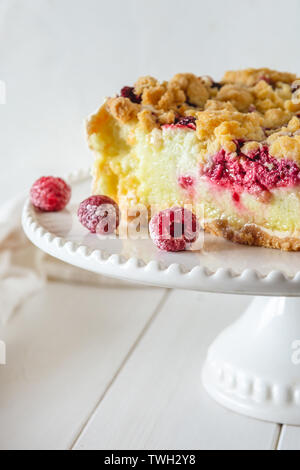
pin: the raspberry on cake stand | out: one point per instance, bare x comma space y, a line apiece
253, 367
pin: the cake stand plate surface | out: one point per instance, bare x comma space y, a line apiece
254, 366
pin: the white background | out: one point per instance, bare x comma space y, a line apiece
59, 58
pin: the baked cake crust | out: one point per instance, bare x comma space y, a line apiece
251, 235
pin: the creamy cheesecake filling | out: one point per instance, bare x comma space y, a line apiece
162, 169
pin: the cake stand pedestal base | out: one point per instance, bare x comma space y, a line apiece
253, 367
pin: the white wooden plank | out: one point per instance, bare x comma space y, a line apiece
290, 438
157, 401
63, 349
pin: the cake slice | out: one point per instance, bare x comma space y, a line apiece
233, 147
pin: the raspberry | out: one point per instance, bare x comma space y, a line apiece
128, 92
267, 79
173, 229
99, 214
236, 197
188, 121
239, 144
50, 194
217, 85
186, 182
182, 122
295, 86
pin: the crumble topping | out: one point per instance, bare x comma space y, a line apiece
253, 105
123, 109
148, 120
250, 77
238, 96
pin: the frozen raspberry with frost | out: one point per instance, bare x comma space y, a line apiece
128, 92
173, 229
50, 194
99, 214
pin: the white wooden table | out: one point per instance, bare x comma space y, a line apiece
119, 368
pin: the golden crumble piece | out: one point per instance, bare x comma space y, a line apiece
122, 109
229, 125
250, 147
182, 80
285, 146
197, 92
294, 124
195, 88
187, 110
148, 120
266, 98
285, 143
214, 105
293, 107
227, 144
229, 131
239, 97
284, 91
143, 83
152, 96
275, 118
284, 130
173, 97
166, 117
250, 77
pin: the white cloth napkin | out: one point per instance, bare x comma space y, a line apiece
25, 269
20, 272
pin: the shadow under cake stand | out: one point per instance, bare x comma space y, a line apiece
253, 367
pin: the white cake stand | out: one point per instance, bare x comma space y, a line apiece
253, 367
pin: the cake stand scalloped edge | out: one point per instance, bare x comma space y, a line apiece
201, 278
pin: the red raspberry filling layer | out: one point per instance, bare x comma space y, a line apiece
128, 92
256, 173
188, 122
186, 182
